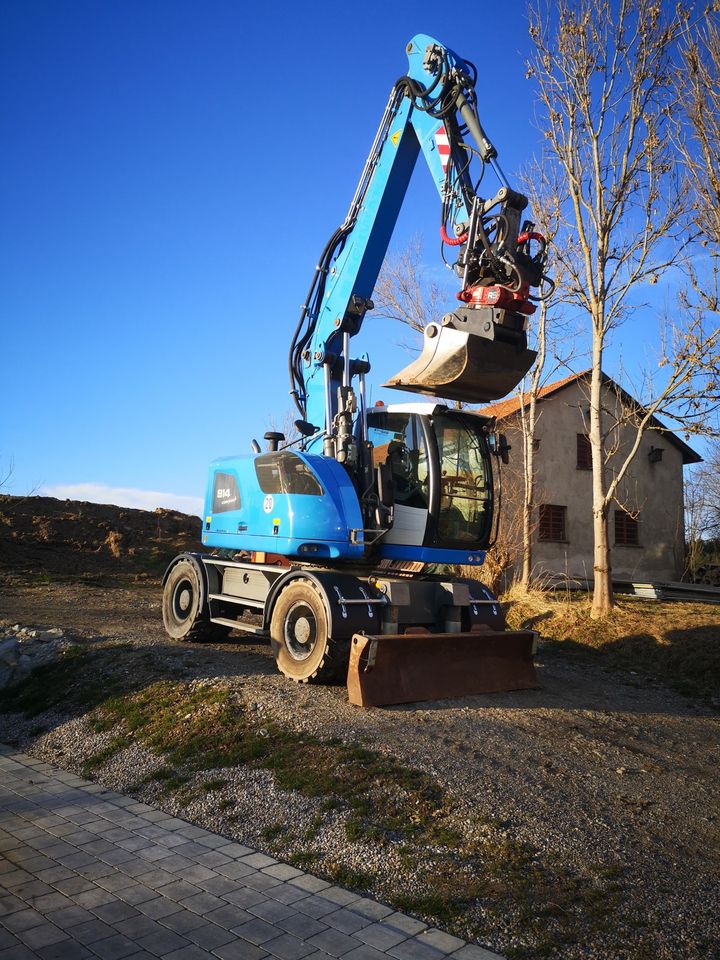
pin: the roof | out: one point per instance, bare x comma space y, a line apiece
506, 408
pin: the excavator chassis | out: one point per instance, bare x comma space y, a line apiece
392, 639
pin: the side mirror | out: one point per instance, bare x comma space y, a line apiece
502, 448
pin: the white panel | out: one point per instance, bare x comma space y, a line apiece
409, 526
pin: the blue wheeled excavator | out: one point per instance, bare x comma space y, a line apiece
328, 539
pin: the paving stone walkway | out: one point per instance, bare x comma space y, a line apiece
87, 873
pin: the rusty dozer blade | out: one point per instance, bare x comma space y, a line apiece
467, 358
410, 667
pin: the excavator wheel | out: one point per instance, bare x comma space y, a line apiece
301, 646
183, 606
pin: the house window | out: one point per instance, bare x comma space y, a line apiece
584, 452
627, 532
552, 522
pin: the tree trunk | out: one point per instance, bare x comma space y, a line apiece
602, 602
528, 499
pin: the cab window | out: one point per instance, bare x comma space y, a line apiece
465, 481
398, 441
286, 473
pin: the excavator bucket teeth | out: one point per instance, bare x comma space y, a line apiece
457, 365
410, 667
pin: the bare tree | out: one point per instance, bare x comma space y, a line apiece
546, 202
702, 519
405, 293
603, 72
698, 86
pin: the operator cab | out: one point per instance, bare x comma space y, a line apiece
439, 462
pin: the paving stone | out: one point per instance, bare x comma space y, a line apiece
281, 871
7, 939
307, 882
244, 897
259, 881
137, 927
229, 916
441, 940
156, 878
272, 910
42, 936
187, 953
115, 881
372, 909
116, 947
346, 920
114, 911
236, 850
159, 908
333, 942
91, 931
315, 906
408, 925
11, 904
93, 898
302, 926
472, 951
240, 950
137, 894
199, 874
24, 953
287, 893
218, 886
288, 947
235, 870
74, 885
381, 935
182, 922
162, 941
69, 916
363, 952
66, 950
257, 931
178, 890
213, 858
50, 901
413, 950
340, 895
23, 920
202, 903
209, 936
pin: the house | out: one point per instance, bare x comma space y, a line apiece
646, 524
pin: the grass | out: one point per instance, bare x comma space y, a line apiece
677, 643
456, 882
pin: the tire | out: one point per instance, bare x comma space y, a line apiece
183, 606
301, 646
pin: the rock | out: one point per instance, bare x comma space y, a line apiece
9, 651
25, 649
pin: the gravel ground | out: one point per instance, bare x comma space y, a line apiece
601, 773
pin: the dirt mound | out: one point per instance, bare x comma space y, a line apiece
42, 534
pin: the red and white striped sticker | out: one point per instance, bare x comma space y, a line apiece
443, 145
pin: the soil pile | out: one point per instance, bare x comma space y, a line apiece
43, 534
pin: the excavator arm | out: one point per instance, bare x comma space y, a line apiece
477, 353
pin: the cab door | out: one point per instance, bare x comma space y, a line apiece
399, 441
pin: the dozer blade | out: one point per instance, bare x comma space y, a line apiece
409, 667
458, 365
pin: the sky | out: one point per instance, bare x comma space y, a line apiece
170, 171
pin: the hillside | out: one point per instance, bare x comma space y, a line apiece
42, 534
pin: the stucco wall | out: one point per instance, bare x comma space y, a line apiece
655, 490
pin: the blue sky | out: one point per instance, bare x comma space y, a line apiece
169, 174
